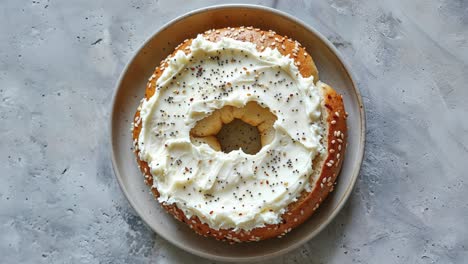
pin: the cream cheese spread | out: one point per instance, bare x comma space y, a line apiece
231, 190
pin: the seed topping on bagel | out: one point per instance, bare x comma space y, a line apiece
207, 85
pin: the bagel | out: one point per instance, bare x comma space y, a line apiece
189, 98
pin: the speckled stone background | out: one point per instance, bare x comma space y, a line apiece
59, 62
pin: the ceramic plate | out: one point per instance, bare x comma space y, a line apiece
131, 87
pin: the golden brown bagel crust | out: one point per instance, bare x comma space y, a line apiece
333, 120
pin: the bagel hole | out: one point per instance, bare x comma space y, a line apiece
239, 135
248, 128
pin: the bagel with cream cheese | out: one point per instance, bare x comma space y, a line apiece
266, 80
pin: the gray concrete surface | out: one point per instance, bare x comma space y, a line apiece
59, 62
